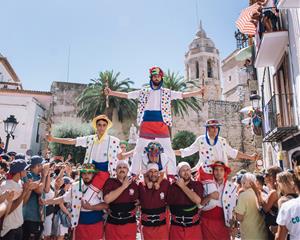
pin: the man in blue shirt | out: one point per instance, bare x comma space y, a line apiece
33, 224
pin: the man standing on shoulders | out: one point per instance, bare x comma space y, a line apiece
121, 193
211, 148
154, 116
217, 215
184, 197
102, 150
153, 205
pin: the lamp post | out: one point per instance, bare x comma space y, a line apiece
255, 98
9, 127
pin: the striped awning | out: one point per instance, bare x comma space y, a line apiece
244, 23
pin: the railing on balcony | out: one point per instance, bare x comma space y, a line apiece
268, 21
279, 118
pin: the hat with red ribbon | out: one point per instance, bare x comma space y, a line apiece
221, 164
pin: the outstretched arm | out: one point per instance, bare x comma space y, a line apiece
122, 156
109, 92
193, 93
185, 152
233, 153
252, 157
53, 201
67, 141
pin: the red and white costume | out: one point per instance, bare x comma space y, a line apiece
121, 221
154, 118
208, 154
185, 216
88, 224
217, 214
153, 207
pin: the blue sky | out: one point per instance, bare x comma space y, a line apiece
126, 36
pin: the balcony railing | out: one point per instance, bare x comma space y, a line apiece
279, 118
269, 20
271, 38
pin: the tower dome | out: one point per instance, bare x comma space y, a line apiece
202, 64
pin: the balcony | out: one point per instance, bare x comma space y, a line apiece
284, 4
278, 118
271, 41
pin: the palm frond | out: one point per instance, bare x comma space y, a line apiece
92, 102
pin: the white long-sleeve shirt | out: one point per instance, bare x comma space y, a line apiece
209, 154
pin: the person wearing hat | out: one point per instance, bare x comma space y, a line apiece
12, 155
12, 223
5, 157
184, 199
102, 149
153, 115
154, 153
87, 206
211, 148
121, 193
217, 215
33, 220
154, 205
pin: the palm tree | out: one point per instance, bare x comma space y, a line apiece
92, 101
181, 107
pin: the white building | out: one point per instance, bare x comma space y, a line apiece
278, 66
28, 107
239, 80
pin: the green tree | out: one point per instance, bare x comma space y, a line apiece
70, 130
184, 139
177, 83
92, 101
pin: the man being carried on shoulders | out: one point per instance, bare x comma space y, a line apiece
102, 150
154, 116
211, 148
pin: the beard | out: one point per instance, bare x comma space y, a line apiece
186, 178
156, 84
87, 182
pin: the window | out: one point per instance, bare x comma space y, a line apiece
197, 70
209, 69
37, 139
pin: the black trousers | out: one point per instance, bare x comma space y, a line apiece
14, 234
32, 230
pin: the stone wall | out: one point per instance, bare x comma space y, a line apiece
64, 109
